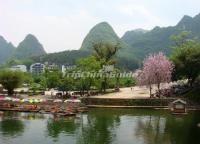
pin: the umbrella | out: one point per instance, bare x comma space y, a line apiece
15, 100
69, 100
73, 100
36, 100
24, 100
8, 98
57, 100
76, 101
31, 100
1, 98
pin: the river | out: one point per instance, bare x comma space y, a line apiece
101, 126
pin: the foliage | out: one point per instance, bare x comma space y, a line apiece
66, 84
104, 54
193, 94
11, 80
53, 79
186, 57
89, 64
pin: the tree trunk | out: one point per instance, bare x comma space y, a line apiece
158, 89
104, 84
10, 92
150, 88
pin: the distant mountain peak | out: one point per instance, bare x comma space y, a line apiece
31, 37
6, 50
140, 30
185, 20
103, 23
102, 26
158, 39
197, 17
29, 47
101, 32
2, 39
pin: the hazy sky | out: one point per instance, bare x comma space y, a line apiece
62, 24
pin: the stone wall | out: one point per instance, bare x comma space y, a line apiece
127, 102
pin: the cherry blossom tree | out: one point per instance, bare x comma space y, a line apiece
156, 69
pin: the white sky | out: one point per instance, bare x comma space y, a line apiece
62, 24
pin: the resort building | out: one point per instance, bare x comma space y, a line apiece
37, 68
19, 68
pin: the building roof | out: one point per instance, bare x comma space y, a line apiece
179, 100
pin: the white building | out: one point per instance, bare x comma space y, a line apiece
37, 68
19, 68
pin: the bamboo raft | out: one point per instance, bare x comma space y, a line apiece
18, 110
48, 108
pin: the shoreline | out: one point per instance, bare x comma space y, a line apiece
140, 107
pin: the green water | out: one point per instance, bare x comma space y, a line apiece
101, 126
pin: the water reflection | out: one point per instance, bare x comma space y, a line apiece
152, 130
184, 130
62, 125
98, 127
102, 126
10, 126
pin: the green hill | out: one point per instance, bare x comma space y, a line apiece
29, 47
158, 39
6, 50
104, 33
65, 57
101, 32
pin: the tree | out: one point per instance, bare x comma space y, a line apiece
66, 84
104, 53
53, 79
186, 57
11, 80
89, 65
157, 69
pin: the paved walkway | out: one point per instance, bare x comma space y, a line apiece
127, 93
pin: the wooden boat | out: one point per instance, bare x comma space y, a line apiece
64, 114
82, 109
19, 110
44, 112
1, 112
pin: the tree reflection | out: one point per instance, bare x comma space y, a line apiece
183, 129
152, 130
11, 127
98, 128
32, 116
57, 126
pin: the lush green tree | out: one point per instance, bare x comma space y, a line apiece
66, 84
11, 80
53, 79
88, 66
105, 53
186, 57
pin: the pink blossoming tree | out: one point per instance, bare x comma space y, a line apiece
156, 69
